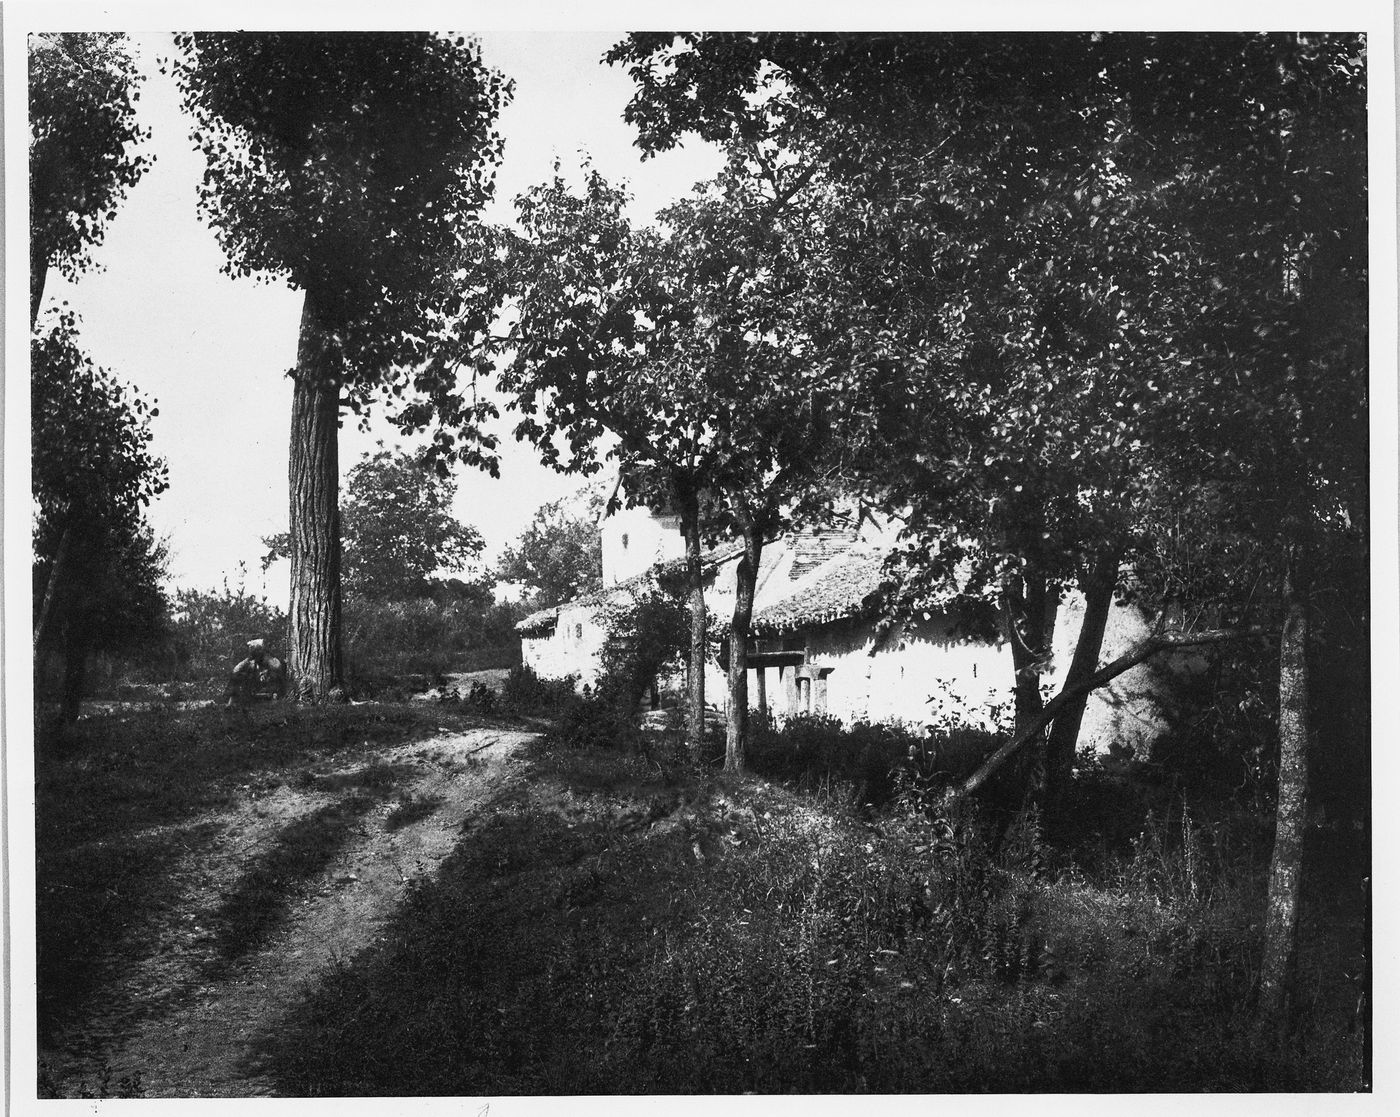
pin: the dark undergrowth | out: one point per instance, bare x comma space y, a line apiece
623, 925
122, 801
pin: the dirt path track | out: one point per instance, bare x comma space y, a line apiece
187, 1034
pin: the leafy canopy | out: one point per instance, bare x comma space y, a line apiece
677, 340
93, 476
354, 167
559, 555
92, 457
83, 131
1064, 263
397, 529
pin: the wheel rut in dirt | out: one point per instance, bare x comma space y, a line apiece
184, 1017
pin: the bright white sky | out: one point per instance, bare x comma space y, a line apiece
214, 351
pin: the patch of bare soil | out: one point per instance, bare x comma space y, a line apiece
181, 1018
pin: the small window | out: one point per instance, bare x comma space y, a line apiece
578, 632
624, 541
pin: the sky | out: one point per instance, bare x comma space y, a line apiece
213, 352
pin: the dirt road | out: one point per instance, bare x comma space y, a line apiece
183, 1017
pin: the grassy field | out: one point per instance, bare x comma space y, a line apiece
617, 922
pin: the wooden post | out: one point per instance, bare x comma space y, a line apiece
761, 686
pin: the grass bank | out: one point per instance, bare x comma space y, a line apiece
621, 925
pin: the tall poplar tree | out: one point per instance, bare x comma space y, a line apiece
353, 167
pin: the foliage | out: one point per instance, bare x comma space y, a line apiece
1080, 275
559, 555
353, 166
397, 530
526, 693
595, 722
83, 88
210, 628
127, 1086
392, 639
646, 637
91, 438
97, 565
813, 751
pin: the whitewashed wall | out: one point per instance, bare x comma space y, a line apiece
633, 540
925, 673
572, 649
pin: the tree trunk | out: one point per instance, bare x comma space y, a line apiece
1097, 585
314, 527
746, 578
695, 584
1029, 616
56, 575
1285, 868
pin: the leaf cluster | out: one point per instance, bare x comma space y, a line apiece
397, 530
91, 436
559, 555
354, 167
83, 88
1080, 274
678, 341
93, 475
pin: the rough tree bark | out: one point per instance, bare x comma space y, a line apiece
1097, 585
746, 578
314, 527
1286, 864
1028, 608
689, 502
1102, 676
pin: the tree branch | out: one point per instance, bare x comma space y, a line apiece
1110, 671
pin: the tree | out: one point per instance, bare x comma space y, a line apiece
559, 555
353, 167
83, 88
1026, 252
674, 341
97, 564
1181, 214
397, 530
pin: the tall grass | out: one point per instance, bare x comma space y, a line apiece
609, 930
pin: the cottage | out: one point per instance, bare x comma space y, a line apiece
819, 644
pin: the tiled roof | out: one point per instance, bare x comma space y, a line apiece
842, 588
817, 546
538, 623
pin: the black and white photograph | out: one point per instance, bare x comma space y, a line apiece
568, 559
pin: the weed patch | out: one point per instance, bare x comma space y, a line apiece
609, 930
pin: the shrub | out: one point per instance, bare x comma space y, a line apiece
817, 750
210, 628
645, 638
524, 692
595, 721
